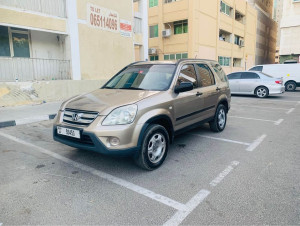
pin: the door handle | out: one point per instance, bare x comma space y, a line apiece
218, 89
198, 94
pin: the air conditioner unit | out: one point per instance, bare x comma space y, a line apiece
242, 43
166, 33
152, 51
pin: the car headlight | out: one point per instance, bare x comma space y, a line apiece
121, 116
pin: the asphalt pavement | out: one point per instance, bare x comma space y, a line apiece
247, 175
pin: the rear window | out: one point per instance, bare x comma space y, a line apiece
219, 71
234, 76
257, 68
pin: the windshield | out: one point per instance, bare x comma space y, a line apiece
143, 77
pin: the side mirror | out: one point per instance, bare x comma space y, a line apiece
183, 87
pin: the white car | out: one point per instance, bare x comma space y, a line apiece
255, 83
289, 72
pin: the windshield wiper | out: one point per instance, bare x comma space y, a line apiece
107, 87
134, 88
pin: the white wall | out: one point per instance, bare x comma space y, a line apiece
47, 45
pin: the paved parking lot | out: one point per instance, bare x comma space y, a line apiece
248, 174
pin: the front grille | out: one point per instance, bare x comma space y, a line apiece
84, 118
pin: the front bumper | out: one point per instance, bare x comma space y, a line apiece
89, 141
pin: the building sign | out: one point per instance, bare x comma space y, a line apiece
125, 28
102, 18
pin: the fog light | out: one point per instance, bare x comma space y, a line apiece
114, 141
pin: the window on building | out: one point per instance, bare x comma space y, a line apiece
225, 61
226, 8
187, 74
237, 39
153, 3
239, 17
153, 58
237, 62
4, 42
224, 36
153, 31
180, 27
170, 1
206, 76
14, 42
176, 56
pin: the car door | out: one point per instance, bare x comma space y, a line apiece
234, 82
188, 105
208, 89
249, 81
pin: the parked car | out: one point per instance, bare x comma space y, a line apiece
289, 72
141, 108
256, 83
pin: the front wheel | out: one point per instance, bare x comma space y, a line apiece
219, 122
290, 86
154, 148
261, 92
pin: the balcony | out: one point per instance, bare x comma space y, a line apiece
50, 7
33, 69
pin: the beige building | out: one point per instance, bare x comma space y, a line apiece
66, 39
220, 30
266, 33
290, 31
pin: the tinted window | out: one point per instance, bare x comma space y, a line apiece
218, 69
147, 77
249, 75
4, 42
187, 74
234, 76
206, 76
257, 68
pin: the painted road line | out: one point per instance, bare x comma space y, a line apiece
221, 139
257, 119
224, 173
278, 122
256, 143
290, 111
260, 100
251, 106
180, 215
143, 191
31, 120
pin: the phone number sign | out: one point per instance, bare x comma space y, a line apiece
102, 18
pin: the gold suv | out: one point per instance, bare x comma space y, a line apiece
142, 108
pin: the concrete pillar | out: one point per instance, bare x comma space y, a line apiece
143, 9
72, 26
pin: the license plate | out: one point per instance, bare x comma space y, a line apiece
68, 132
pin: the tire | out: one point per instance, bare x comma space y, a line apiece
290, 86
261, 92
154, 149
219, 122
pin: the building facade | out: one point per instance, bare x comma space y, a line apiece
65, 39
220, 30
266, 33
290, 30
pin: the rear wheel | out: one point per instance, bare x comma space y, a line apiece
261, 92
290, 86
220, 119
154, 148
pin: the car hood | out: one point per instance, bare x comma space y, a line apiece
105, 100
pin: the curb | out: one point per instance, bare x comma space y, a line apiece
18, 122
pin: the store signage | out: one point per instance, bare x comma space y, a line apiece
125, 28
102, 18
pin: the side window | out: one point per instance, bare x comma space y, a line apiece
257, 68
187, 74
234, 76
221, 74
249, 75
206, 76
